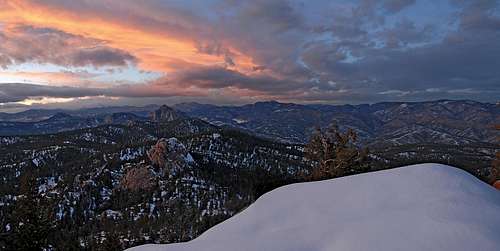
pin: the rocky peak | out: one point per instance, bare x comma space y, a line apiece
171, 155
165, 114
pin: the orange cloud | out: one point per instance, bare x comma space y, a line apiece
191, 65
156, 51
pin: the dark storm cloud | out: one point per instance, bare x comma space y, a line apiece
100, 56
407, 61
477, 16
16, 92
468, 64
218, 77
279, 15
21, 44
404, 33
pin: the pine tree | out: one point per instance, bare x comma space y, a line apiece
30, 222
111, 243
495, 167
335, 153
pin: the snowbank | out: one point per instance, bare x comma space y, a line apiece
419, 207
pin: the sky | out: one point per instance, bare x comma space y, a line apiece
57, 53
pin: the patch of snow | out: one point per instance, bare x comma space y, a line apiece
151, 209
240, 121
189, 158
112, 214
174, 143
36, 162
87, 137
48, 183
419, 207
60, 212
284, 110
9, 140
131, 154
106, 193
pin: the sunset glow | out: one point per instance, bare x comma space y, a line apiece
327, 52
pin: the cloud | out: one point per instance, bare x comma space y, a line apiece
287, 50
477, 16
100, 56
54, 78
397, 5
278, 15
405, 33
16, 92
219, 78
22, 44
410, 57
155, 33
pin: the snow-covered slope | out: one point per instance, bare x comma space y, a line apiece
419, 207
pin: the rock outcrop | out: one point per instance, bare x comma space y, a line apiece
165, 114
138, 178
497, 184
170, 155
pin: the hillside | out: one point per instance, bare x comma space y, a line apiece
146, 182
114, 183
420, 207
440, 122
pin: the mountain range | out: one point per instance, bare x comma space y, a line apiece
451, 122
393, 123
166, 174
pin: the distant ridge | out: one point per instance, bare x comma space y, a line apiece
59, 117
450, 122
442, 121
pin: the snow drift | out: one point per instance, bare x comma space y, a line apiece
419, 207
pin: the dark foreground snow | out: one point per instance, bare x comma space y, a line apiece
419, 207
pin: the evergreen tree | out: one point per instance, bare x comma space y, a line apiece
111, 243
335, 153
495, 166
30, 221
